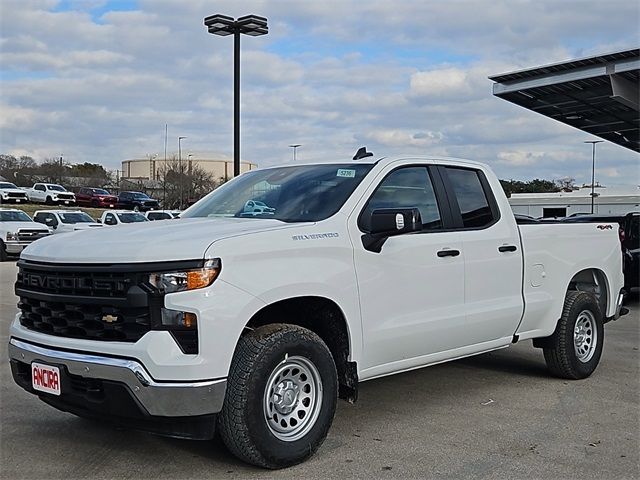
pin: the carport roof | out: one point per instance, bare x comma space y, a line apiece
598, 95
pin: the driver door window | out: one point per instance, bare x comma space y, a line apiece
407, 187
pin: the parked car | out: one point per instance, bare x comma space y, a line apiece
629, 233
17, 230
119, 217
62, 221
51, 194
9, 193
162, 214
96, 198
252, 326
138, 201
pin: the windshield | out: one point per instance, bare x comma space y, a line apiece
12, 216
7, 185
140, 195
306, 193
76, 217
99, 191
132, 217
56, 188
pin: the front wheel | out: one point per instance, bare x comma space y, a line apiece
281, 396
3, 252
575, 348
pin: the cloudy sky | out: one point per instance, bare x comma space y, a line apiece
98, 80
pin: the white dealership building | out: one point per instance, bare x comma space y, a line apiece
608, 200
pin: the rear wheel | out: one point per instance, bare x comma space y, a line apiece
281, 396
575, 348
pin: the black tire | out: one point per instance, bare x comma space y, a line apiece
49, 201
136, 208
561, 354
94, 204
243, 423
3, 252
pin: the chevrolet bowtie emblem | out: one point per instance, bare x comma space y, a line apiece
110, 318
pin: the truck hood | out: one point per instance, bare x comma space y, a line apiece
12, 190
15, 226
171, 240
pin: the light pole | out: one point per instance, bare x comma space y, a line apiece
593, 169
180, 167
224, 25
295, 147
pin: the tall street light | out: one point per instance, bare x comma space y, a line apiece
249, 25
593, 169
180, 167
295, 147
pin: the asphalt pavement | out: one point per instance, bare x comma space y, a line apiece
497, 415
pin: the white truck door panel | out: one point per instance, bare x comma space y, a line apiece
493, 258
411, 299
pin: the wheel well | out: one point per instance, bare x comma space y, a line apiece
593, 281
323, 317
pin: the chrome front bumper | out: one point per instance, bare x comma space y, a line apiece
164, 399
15, 246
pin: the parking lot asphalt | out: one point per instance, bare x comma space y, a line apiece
497, 415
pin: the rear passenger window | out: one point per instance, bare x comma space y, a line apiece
408, 187
472, 199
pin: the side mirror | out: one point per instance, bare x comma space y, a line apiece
390, 222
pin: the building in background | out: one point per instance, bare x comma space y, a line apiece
613, 200
151, 168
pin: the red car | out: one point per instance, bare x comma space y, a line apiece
95, 197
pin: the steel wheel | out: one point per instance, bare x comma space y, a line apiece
292, 398
585, 336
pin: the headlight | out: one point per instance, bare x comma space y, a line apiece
170, 282
12, 236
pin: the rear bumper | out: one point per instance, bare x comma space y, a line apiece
122, 391
620, 310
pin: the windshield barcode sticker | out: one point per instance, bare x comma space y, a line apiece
345, 172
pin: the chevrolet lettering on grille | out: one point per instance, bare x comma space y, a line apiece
52, 282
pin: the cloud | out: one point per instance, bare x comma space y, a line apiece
401, 77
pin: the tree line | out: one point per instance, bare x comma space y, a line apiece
176, 184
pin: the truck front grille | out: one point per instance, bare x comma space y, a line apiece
97, 302
31, 235
91, 322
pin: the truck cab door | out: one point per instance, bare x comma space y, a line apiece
492, 255
412, 291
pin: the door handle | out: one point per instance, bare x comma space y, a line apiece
507, 248
448, 253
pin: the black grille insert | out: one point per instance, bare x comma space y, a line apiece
91, 322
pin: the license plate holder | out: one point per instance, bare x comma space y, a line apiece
45, 378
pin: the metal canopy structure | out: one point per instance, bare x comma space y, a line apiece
598, 95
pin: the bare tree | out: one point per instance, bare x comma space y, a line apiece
180, 184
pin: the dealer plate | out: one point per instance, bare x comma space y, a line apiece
45, 378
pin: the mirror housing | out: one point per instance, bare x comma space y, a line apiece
390, 222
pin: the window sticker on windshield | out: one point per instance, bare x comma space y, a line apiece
345, 172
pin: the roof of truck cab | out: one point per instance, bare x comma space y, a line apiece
386, 161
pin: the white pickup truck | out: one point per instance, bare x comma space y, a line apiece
255, 323
51, 194
17, 230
